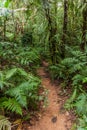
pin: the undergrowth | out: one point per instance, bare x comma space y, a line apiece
14, 54
73, 71
19, 84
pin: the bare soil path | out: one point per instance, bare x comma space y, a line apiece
52, 118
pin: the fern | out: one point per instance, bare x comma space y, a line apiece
31, 56
23, 90
72, 64
4, 123
12, 105
69, 103
73, 68
81, 104
3, 83
82, 123
10, 73
14, 71
19, 95
19, 55
77, 79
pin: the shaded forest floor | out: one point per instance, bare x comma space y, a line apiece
54, 117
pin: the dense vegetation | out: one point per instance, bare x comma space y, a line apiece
36, 30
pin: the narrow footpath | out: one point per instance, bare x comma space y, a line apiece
52, 118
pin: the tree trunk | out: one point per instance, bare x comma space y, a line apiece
13, 18
52, 32
4, 37
84, 27
65, 22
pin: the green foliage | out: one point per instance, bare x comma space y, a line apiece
73, 70
82, 123
27, 38
71, 66
81, 104
19, 90
29, 56
69, 103
11, 104
2, 81
7, 2
39, 32
13, 54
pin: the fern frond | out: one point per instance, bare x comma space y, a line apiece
10, 73
19, 95
81, 104
3, 82
22, 72
14, 71
21, 92
77, 79
4, 123
12, 105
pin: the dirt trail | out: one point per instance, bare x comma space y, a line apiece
52, 118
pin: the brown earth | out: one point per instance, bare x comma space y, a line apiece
52, 118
